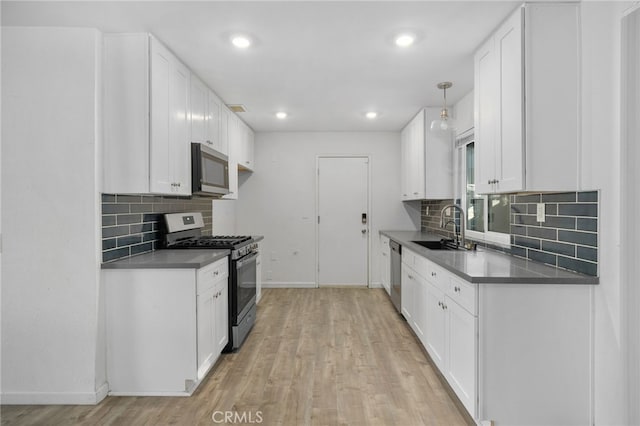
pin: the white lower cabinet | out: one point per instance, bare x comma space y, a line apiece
165, 328
461, 342
407, 297
409, 287
513, 353
451, 340
212, 314
221, 316
435, 329
412, 294
205, 302
385, 263
259, 274
448, 331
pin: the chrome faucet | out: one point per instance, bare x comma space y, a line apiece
462, 222
455, 229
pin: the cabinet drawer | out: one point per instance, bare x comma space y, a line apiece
438, 276
422, 266
464, 293
211, 274
384, 243
409, 257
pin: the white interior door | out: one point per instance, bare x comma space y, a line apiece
343, 220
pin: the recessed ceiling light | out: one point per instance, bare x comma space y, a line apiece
405, 40
281, 115
371, 115
241, 42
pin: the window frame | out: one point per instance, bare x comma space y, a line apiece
496, 238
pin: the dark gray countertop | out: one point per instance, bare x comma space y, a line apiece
174, 259
486, 265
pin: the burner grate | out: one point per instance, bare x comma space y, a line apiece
211, 241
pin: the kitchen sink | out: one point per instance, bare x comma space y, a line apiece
437, 245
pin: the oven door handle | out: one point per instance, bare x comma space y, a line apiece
248, 258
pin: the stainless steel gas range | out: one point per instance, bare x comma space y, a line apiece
184, 231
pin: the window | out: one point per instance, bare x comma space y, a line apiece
487, 215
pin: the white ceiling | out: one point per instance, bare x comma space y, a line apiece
324, 62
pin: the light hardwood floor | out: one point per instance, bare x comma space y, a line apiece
328, 356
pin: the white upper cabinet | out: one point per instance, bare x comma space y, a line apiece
245, 147
526, 102
213, 131
205, 116
199, 94
412, 140
464, 114
153, 108
240, 139
146, 117
426, 159
224, 128
232, 131
170, 169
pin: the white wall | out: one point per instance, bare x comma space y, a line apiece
279, 199
600, 170
50, 217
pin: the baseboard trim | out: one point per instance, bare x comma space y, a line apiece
55, 398
102, 392
273, 284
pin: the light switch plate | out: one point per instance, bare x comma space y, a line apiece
540, 212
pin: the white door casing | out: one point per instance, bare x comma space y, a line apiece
342, 237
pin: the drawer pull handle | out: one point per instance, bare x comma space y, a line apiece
433, 274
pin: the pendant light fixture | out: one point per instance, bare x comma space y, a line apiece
444, 123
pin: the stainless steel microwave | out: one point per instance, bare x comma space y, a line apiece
209, 171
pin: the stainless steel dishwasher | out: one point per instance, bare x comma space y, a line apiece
396, 285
